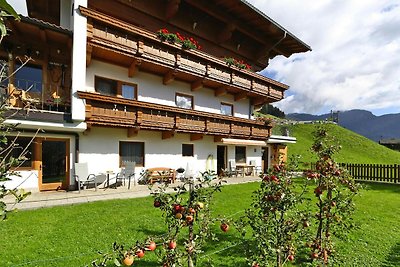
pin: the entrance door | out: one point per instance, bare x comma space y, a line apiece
221, 159
53, 166
265, 159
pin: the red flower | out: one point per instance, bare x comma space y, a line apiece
164, 30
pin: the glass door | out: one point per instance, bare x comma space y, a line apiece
54, 166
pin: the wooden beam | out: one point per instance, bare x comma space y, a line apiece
218, 138
171, 9
258, 101
240, 96
169, 77
134, 67
197, 85
167, 134
89, 50
196, 136
133, 131
43, 36
220, 91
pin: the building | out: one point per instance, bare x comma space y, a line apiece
107, 84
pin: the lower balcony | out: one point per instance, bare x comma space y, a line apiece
134, 115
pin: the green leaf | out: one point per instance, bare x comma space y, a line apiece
8, 8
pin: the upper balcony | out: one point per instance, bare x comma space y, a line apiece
113, 111
134, 48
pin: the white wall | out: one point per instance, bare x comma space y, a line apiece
103, 155
65, 14
151, 89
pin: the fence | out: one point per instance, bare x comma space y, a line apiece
372, 172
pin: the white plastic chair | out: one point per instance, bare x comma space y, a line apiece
83, 177
127, 173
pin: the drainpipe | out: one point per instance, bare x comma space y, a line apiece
277, 43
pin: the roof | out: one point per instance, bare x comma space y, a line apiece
45, 24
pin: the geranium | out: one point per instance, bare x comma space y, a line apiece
186, 42
241, 64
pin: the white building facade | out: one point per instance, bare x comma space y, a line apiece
111, 91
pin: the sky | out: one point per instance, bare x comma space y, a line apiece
355, 57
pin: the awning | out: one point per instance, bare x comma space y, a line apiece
280, 139
230, 141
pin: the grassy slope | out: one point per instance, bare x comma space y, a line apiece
71, 235
355, 148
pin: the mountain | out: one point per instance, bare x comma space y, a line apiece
362, 122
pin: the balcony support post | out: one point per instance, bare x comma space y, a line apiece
167, 134
133, 131
218, 138
240, 96
169, 77
220, 91
134, 67
196, 136
197, 85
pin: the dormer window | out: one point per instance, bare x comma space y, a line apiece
184, 101
227, 109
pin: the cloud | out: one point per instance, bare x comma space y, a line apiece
355, 61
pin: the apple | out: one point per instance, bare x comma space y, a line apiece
172, 244
189, 218
255, 265
314, 255
333, 204
152, 246
224, 227
128, 260
140, 253
318, 191
290, 257
200, 205
182, 209
177, 207
178, 215
306, 224
192, 210
157, 204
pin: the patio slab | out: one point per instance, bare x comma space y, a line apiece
58, 198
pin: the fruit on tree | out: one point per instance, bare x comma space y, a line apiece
314, 255
224, 227
157, 204
152, 246
306, 224
128, 260
192, 210
140, 253
200, 205
189, 218
178, 215
290, 257
172, 244
177, 207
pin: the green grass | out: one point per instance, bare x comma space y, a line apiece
355, 148
71, 235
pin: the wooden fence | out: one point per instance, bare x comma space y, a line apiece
372, 172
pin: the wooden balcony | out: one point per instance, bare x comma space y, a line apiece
134, 48
111, 111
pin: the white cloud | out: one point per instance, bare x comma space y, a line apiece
355, 61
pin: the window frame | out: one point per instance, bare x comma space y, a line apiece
34, 65
240, 161
118, 89
184, 95
130, 142
227, 104
192, 150
30, 150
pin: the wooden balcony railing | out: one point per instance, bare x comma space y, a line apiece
125, 44
113, 111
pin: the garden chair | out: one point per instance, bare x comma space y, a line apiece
127, 173
83, 177
256, 169
232, 170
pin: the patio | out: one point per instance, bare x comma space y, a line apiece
56, 198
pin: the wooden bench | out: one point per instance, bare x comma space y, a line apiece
160, 174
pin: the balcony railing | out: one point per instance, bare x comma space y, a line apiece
115, 40
36, 95
113, 111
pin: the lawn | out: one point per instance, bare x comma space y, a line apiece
72, 235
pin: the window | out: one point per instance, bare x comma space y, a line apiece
240, 154
187, 150
106, 86
29, 78
21, 144
115, 88
131, 151
128, 91
184, 101
226, 109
